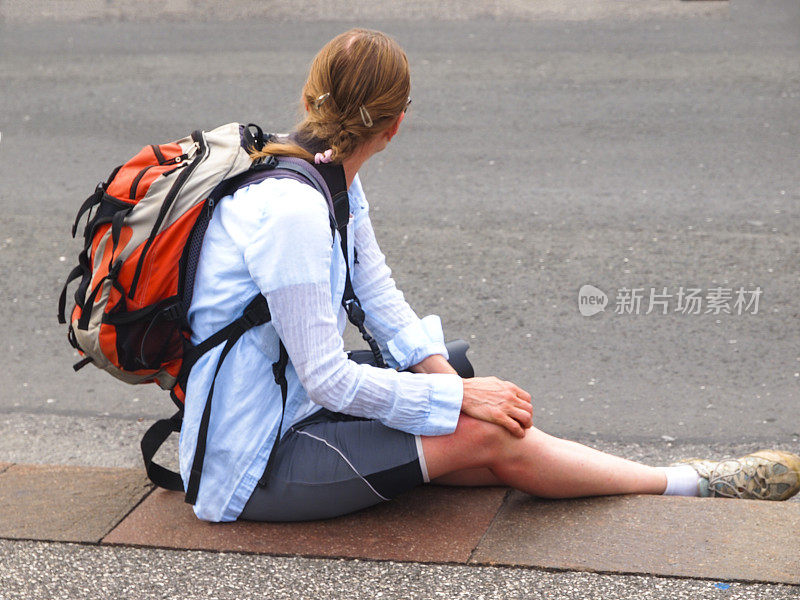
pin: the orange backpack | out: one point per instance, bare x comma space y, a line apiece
127, 317
143, 235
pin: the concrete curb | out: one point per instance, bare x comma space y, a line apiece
698, 538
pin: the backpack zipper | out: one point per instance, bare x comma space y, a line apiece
197, 136
136, 181
178, 160
158, 154
171, 171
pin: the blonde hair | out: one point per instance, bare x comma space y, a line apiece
357, 86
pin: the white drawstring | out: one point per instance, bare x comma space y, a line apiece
345, 460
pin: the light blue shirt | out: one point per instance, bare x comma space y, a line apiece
274, 238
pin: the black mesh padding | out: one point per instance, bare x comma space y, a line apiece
192, 257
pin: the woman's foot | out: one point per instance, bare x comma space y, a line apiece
762, 475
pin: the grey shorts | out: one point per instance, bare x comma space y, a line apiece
332, 464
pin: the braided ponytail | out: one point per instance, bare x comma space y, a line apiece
357, 86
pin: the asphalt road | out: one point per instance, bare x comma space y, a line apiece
538, 156
654, 150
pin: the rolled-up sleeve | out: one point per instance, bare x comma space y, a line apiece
289, 258
416, 341
406, 338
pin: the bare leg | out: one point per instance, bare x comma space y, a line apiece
538, 464
469, 477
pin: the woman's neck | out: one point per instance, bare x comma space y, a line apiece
352, 164
362, 154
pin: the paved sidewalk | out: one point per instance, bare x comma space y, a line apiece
715, 539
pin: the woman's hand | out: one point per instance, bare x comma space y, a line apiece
497, 401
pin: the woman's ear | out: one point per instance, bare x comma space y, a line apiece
392, 131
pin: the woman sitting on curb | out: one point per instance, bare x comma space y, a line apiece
355, 434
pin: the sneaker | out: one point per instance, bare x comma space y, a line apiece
762, 475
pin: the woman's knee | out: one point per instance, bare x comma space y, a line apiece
476, 444
473, 444
487, 440
496, 444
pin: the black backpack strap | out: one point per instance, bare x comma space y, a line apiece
334, 176
151, 442
62, 299
87, 205
279, 372
256, 313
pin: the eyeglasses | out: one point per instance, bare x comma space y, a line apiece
408, 104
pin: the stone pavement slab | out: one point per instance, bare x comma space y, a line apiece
714, 538
718, 539
77, 504
428, 524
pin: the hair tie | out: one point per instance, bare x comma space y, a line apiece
365, 116
321, 100
323, 157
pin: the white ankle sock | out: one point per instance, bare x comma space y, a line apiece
681, 481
